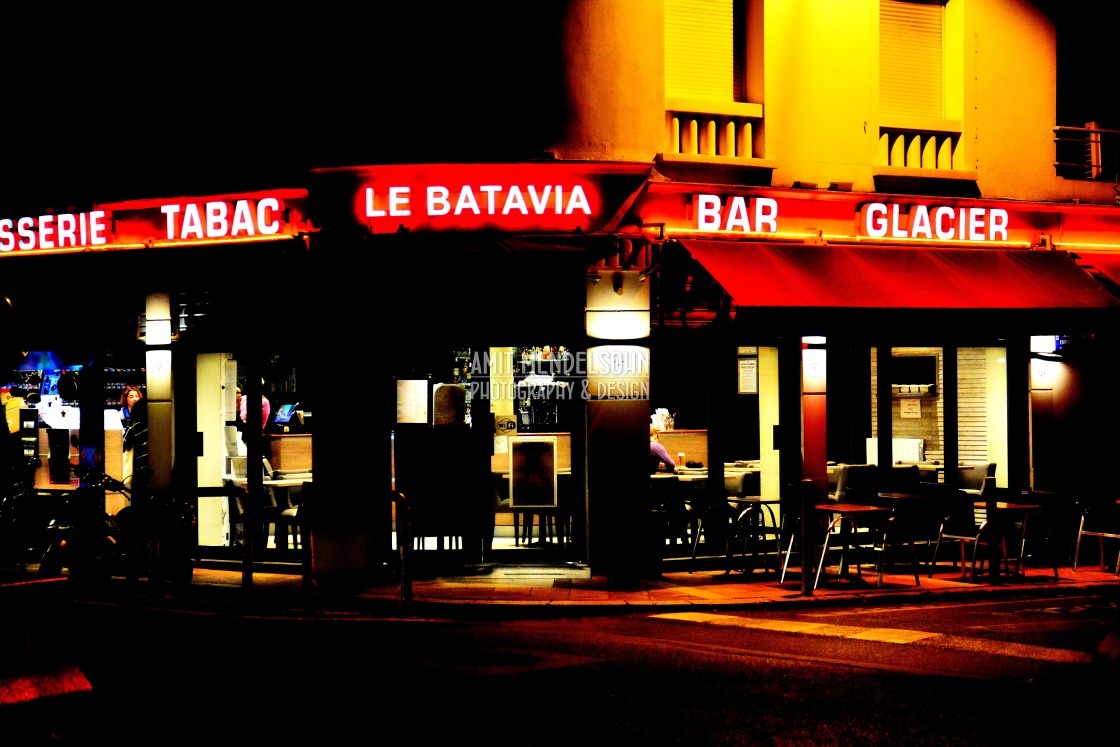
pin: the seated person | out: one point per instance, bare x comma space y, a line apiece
658, 454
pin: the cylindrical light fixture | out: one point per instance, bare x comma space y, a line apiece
814, 371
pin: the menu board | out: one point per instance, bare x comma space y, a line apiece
532, 471
412, 401
748, 375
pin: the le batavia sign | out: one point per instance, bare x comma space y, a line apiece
562, 197
137, 224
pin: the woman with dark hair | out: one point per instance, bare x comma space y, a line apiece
135, 443
130, 395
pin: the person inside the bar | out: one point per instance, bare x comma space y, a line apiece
243, 411
134, 442
659, 458
129, 397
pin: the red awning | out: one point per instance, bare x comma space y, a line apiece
1104, 266
803, 276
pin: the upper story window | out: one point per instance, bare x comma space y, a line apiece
912, 58
707, 82
704, 50
921, 85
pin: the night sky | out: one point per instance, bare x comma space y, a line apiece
102, 108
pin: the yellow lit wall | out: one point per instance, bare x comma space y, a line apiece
813, 67
767, 419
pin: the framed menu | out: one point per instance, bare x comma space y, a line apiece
412, 401
532, 471
748, 375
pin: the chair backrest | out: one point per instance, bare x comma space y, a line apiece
733, 483
971, 477
858, 484
954, 508
306, 503
665, 492
1102, 515
752, 483
838, 480
900, 478
834, 471
988, 491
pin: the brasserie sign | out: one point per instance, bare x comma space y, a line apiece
159, 222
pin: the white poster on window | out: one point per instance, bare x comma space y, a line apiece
911, 408
748, 375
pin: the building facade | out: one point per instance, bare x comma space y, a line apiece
724, 197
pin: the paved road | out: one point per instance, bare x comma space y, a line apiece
649, 678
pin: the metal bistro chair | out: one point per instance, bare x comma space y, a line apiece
667, 501
714, 517
842, 475
1100, 520
856, 526
749, 525
967, 524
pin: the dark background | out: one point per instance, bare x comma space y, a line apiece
103, 105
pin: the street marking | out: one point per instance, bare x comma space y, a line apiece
899, 636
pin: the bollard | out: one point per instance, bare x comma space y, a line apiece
995, 526
404, 544
806, 514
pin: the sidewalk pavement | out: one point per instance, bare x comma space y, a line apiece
569, 589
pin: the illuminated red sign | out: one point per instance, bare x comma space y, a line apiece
943, 222
819, 216
522, 197
890, 220
257, 216
62, 231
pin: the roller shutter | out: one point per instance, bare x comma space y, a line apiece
911, 53
700, 50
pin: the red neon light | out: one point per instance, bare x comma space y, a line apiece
838, 217
550, 197
63, 231
251, 216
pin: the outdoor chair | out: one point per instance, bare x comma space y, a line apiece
667, 502
752, 522
966, 524
1099, 519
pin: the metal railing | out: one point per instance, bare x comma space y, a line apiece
1086, 153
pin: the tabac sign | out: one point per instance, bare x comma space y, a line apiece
149, 223
553, 197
